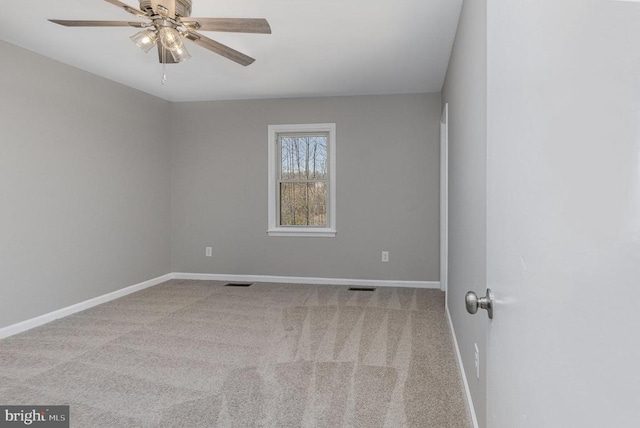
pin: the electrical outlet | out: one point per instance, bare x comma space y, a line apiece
385, 256
208, 251
477, 360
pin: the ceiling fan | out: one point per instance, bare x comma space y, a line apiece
170, 23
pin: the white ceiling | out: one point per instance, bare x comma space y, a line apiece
318, 48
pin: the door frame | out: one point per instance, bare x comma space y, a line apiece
444, 197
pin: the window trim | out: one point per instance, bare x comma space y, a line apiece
311, 231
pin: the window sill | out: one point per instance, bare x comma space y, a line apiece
302, 232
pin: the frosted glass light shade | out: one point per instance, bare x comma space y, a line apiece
170, 38
181, 54
145, 39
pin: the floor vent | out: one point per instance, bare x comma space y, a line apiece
239, 284
362, 289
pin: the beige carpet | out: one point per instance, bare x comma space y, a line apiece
198, 354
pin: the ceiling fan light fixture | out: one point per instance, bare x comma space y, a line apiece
145, 39
168, 22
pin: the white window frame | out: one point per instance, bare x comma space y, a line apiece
274, 229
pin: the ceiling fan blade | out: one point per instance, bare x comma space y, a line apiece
233, 25
219, 48
70, 23
131, 10
164, 56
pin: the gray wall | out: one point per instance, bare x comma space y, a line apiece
84, 186
387, 188
465, 91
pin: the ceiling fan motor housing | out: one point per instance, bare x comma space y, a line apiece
183, 7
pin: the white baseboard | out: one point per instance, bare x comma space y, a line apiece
472, 410
306, 280
69, 310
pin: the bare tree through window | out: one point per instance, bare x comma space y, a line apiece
303, 179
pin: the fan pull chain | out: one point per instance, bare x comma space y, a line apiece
164, 67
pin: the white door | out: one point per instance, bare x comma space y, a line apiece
563, 214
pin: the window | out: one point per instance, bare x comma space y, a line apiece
302, 185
